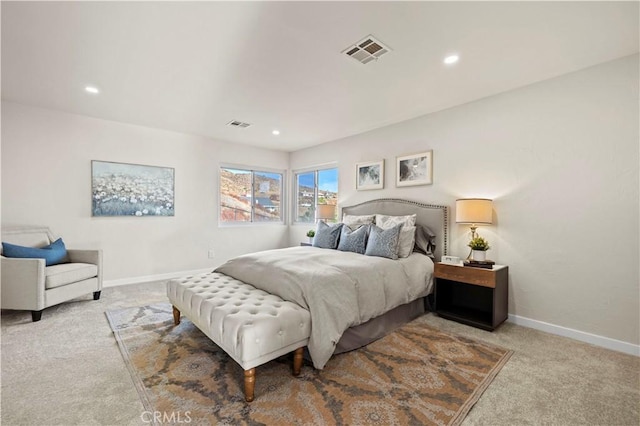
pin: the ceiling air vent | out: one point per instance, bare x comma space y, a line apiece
239, 124
366, 50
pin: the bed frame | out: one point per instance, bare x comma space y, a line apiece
436, 217
215, 303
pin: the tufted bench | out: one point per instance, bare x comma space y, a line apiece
250, 325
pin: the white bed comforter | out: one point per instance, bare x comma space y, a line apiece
340, 289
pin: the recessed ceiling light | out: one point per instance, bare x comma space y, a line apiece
276, 132
451, 59
92, 89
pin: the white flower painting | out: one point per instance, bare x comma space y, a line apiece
120, 189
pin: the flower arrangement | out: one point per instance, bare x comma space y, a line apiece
311, 233
479, 243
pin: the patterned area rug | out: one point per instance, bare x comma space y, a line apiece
415, 375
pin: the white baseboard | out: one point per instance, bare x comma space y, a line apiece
594, 339
147, 278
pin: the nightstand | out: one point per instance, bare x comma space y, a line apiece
306, 244
473, 296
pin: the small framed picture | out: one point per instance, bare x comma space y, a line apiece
414, 169
370, 175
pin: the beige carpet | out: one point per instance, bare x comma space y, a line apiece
68, 370
416, 375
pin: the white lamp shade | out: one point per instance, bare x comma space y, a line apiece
326, 211
474, 210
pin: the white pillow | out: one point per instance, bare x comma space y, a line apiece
406, 241
354, 222
385, 222
407, 232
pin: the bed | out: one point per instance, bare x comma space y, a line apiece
329, 283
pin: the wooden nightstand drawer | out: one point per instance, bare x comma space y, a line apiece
473, 296
477, 276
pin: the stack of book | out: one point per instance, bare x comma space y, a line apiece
485, 264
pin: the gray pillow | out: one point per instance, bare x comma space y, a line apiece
383, 242
425, 240
327, 235
355, 241
407, 237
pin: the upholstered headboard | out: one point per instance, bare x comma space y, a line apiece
436, 217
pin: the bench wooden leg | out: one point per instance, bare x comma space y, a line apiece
297, 361
176, 315
249, 384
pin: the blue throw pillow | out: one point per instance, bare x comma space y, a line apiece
355, 241
327, 235
383, 242
53, 254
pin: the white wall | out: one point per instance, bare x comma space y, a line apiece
46, 179
560, 160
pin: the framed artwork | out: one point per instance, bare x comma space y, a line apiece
414, 169
121, 189
370, 175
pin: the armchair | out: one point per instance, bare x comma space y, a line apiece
28, 284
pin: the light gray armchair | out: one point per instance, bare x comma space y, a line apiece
28, 284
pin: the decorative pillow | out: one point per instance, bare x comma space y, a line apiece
355, 241
406, 240
383, 242
407, 234
385, 221
327, 235
425, 240
53, 254
355, 222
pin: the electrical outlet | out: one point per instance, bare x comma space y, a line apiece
212, 254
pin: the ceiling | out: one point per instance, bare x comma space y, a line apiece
193, 67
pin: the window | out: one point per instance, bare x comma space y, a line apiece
312, 188
250, 196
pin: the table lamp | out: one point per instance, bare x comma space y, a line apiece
474, 211
326, 212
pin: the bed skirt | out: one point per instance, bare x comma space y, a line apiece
376, 328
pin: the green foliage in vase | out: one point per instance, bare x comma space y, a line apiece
311, 233
479, 243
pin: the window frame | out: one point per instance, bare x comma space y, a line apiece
253, 170
294, 190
